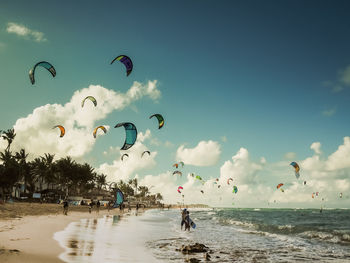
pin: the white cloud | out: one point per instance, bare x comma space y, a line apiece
316, 146
126, 169
345, 76
35, 133
340, 159
24, 31
240, 169
290, 155
206, 153
329, 112
342, 81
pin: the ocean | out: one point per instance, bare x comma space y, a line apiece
233, 235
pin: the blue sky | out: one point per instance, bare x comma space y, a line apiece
262, 74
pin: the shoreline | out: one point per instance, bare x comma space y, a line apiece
30, 238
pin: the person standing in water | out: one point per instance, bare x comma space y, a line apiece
183, 217
187, 221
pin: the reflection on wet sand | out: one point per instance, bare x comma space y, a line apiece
81, 239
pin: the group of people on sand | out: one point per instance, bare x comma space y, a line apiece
65, 204
185, 219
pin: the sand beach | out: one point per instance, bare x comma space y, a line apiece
27, 230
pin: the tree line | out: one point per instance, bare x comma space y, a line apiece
64, 174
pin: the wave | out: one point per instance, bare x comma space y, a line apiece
334, 236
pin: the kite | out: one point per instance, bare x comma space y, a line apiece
62, 129
145, 152
43, 64
279, 186
131, 134
125, 154
182, 164
160, 120
177, 172
99, 127
228, 180
94, 101
119, 198
297, 169
179, 188
126, 61
235, 189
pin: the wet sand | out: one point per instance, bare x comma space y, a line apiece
26, 231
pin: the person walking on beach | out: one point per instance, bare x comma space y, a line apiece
109, 205
65, 207
183, 217
91, 205
98, 204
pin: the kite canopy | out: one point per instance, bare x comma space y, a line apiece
43, 64
235, 189
126, 61
179, 188
145, 152
279, 186
119, 198
198, 178
297, 169
182, 164
62, 129
94, 101
99, 127
125, 154
177, 172
159, 118
131, 134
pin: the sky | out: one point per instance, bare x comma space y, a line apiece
245, 87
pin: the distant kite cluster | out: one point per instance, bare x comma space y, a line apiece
130, 128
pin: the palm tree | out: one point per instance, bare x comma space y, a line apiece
38, 171
143, 191
49, 174
9, 136
9, 171
24, 167
100, 182
159, 197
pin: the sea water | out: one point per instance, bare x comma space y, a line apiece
233, 235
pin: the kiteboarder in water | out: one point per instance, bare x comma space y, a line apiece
183, 217
187, 221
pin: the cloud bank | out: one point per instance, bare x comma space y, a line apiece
35, 133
